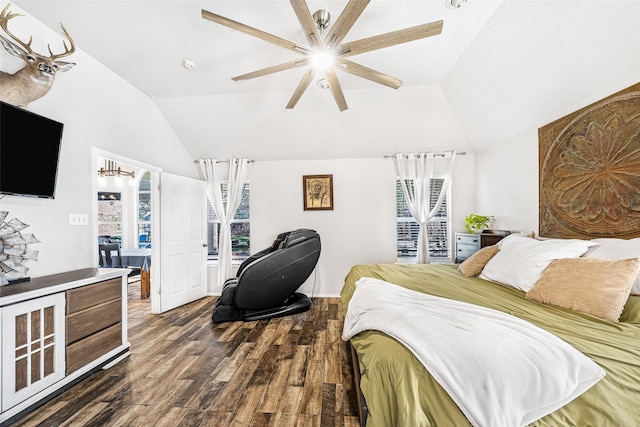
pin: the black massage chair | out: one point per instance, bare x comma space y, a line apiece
265, 284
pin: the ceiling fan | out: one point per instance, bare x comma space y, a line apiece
326, 52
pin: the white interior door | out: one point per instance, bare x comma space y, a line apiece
183, 237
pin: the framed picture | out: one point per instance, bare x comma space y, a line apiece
318, 192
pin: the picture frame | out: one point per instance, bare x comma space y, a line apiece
317, 192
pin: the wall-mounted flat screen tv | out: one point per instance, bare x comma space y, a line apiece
29, 152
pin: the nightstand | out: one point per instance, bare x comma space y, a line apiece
466, 245
469, 243
491, 237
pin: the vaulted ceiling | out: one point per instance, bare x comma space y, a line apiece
497, 69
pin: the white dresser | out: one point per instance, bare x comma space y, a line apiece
57, 329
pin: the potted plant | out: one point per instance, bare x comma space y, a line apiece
474, 223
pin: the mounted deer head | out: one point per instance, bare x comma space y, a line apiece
33, 81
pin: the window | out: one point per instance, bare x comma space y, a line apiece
439, 228
239, 227
144, 211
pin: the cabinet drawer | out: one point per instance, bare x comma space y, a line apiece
92, 347
87, 296
466, 245
86, 322
472, 240
465, 251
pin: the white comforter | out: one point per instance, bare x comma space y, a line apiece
499, 369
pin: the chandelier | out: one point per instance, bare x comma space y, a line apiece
111, 169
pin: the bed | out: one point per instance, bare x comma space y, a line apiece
397, 390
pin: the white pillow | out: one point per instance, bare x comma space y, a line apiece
514, 235
520, 262
617, 249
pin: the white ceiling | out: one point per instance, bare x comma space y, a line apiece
498, 68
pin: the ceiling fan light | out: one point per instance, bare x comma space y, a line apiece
322, 59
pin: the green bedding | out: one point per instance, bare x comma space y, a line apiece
400, 392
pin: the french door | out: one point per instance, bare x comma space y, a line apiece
183, 237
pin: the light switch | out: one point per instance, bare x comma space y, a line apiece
78, 219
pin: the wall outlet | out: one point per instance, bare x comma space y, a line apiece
78, 219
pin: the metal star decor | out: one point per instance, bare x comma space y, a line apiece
14, 249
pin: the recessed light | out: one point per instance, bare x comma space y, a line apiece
454, 4
188, 64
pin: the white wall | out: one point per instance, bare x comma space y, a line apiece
361, 227
98, 109
357, 230
101, 110
507, 183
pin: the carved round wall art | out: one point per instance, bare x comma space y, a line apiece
590, 171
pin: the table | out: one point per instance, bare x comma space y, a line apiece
138, 257
135, 257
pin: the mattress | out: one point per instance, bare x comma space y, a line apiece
400, 392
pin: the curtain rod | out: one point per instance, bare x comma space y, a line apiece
458, 153
223, 161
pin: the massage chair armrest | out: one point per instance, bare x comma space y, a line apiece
230, 281
229, 291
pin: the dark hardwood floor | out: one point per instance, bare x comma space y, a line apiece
186, 371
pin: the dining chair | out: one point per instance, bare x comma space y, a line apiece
110, 257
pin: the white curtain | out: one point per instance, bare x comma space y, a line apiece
418, 170
233, 174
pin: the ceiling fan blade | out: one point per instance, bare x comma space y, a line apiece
345, 21
369, 74
308, 24
288, 44
273, 69
302, 86
336, 90
391, 39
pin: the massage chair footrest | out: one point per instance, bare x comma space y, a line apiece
296, 303
225, 313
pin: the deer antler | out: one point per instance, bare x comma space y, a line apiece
34, 80
67, 51
5, 16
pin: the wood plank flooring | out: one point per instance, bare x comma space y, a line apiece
186, 371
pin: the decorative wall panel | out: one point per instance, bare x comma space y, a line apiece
590, 170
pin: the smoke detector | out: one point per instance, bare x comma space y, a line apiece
188, 64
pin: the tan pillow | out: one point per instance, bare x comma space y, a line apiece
594, 286
473, 265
